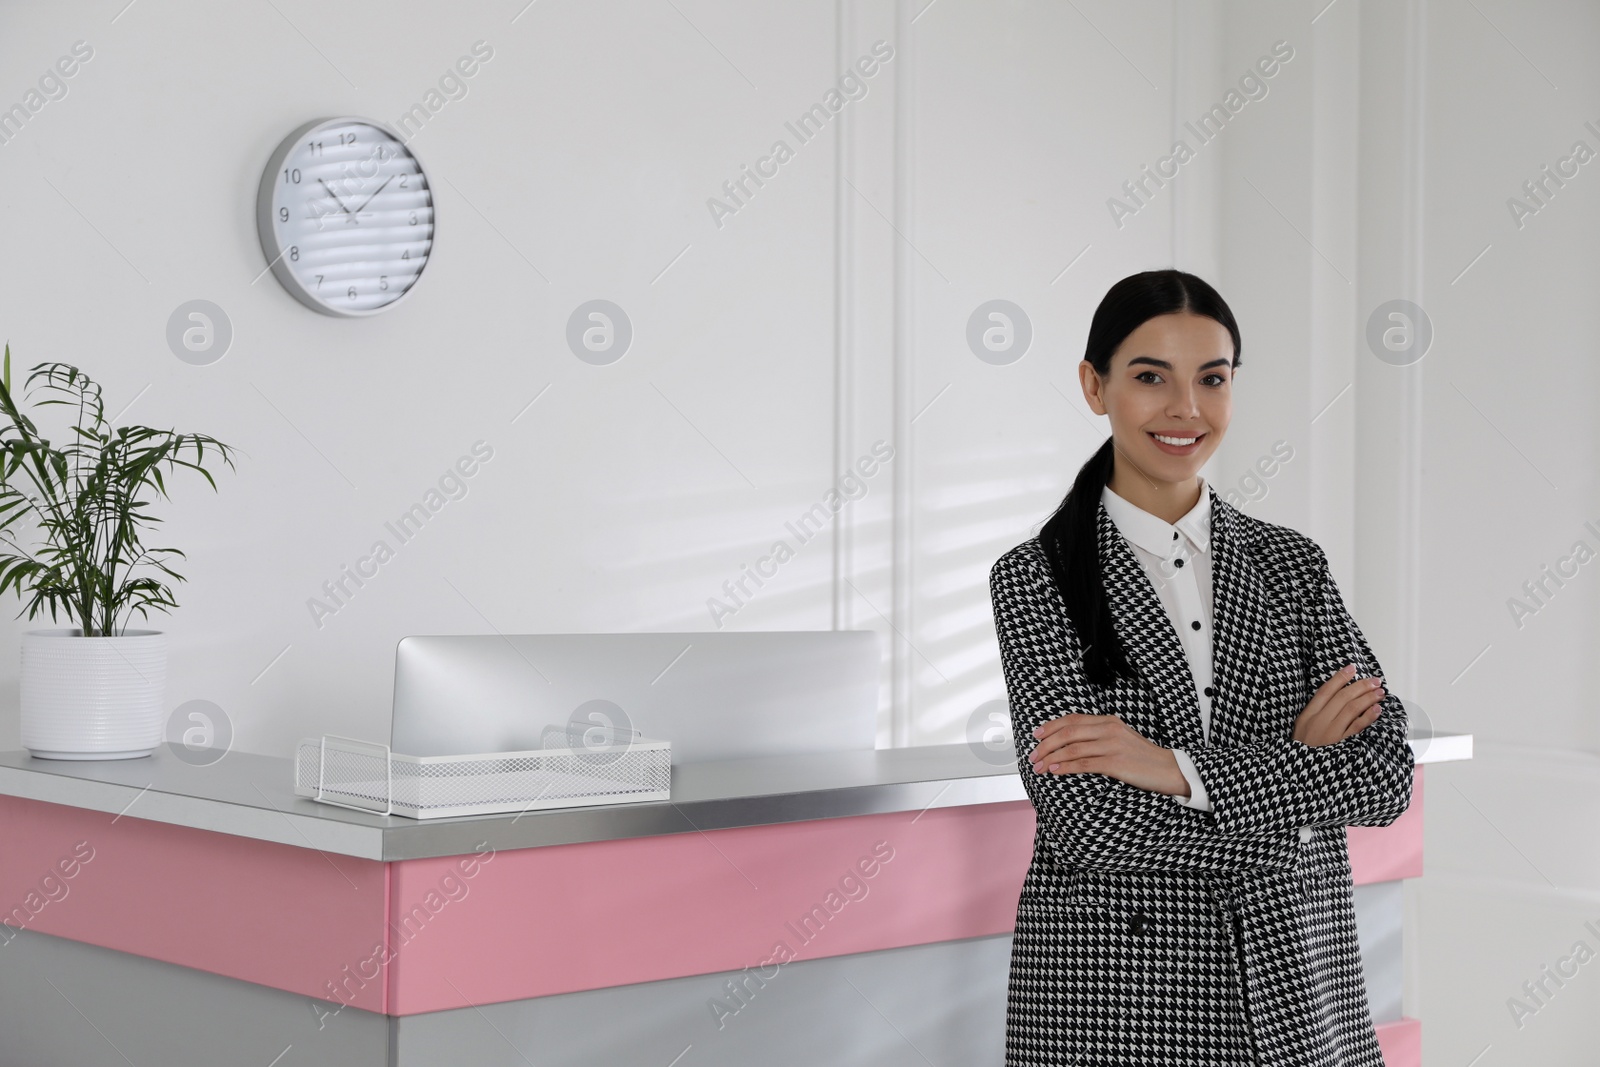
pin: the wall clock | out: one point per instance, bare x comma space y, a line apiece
345, 216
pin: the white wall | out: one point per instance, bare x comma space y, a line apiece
578, 166
1498, 413
829, 313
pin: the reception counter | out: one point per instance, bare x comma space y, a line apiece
842, 908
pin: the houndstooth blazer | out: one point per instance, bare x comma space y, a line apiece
1153, 933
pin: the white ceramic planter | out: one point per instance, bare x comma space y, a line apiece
93, 697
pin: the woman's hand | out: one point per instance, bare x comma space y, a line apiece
1104, 744
1339, 708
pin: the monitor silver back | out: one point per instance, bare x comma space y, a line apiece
713, 695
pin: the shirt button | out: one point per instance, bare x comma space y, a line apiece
1305, 834
1194, 625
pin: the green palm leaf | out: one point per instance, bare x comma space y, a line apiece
89, 500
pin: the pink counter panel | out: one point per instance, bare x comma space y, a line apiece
280, 916
424, 935
537, 922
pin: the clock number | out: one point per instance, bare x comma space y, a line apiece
291, 175
294, 253
403, 180
319, 281
347, 138
315, 147
283, 214
383, 281
406, 254
352, 292
413, 218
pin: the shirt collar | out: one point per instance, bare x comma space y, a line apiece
1155, 534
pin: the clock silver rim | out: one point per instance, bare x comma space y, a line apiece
266, 233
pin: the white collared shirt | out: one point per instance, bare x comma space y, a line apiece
1177, 557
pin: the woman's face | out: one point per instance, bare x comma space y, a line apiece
1172, 376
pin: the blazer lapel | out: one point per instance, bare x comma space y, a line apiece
1155, 649
1237, 598
1148, 639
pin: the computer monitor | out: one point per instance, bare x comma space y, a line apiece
713, 695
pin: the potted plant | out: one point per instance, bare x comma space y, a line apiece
97, 689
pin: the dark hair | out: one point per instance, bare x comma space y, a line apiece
1070, 536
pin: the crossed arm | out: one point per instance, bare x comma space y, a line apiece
1363, 780
1261, 794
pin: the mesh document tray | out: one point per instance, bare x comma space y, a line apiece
359, 774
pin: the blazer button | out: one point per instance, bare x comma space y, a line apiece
1140, 924
1210, 691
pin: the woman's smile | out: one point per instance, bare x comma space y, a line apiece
1173, 444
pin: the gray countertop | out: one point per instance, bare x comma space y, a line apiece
249, 795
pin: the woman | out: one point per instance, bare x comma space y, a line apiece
1189, 899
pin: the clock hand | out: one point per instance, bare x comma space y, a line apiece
375, 192
334, 195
